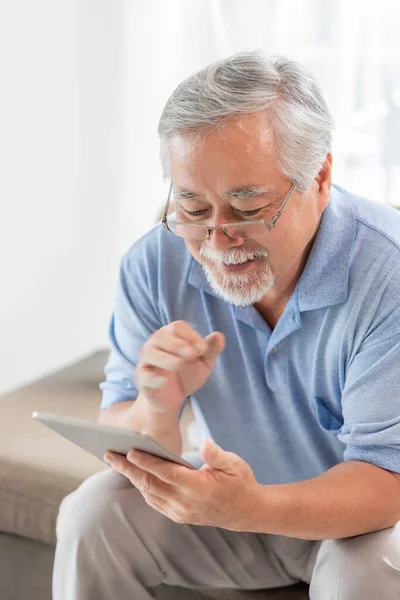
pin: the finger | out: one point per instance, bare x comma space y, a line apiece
182, 330
158, 504
210, 347
217, 458
154, 357
165, 470
120, 463
150, 377
166, 340
146, 482
215, 345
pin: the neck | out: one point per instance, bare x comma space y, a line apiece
272, 305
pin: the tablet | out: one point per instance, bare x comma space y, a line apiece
97, 438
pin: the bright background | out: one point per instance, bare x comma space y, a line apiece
82, 86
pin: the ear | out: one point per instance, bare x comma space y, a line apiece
324, 181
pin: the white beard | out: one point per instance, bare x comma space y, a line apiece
240, 289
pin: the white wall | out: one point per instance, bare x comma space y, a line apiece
61, 123
165, 42
82, 86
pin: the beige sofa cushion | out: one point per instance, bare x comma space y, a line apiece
38, 467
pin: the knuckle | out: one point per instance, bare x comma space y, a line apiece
151, 342
170, 474
172, 328
147, 498
176, 517
143, 359
142, 376
179, 323
148, 375
179, 520
176, 326
124, 471
138, 373
148, 344
145, 486
178, 363
181, 514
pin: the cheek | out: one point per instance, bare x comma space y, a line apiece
194, 249
292, 242
282, 247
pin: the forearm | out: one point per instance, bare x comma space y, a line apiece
134, 414
350, 499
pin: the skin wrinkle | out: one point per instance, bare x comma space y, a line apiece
238, 288
252, 82
242, 193
351, 498
249, 192
245, 156
396, 476
266, 135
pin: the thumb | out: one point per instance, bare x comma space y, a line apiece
215, 344
217, 458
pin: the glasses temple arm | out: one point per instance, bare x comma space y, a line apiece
278, 214
164, 219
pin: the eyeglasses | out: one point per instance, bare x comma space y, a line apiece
242, 229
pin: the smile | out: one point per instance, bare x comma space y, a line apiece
234, 267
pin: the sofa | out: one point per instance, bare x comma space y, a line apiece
38, 468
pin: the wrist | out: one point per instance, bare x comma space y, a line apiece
267, 511
156, 423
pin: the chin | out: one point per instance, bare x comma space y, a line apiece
243, 289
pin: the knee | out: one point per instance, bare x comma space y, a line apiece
107, 522
81, 513
370, 556
358, 567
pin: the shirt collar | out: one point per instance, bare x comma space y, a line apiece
324, 281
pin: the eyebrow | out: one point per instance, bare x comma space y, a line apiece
242, 193
249, 191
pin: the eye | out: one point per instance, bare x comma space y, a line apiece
248, 213
196, 213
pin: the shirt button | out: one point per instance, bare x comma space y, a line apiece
274, 350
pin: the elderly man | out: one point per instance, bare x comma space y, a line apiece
272, 300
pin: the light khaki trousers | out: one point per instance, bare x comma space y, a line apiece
112, 545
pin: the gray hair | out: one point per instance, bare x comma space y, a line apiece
250, 82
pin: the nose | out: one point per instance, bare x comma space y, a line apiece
220, 241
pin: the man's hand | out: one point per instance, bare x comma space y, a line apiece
174, 363
221, 494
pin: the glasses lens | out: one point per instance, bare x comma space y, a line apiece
189, 231
247, 230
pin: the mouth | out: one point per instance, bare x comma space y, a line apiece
236, 267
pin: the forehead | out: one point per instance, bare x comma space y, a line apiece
238, 149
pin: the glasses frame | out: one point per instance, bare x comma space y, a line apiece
270, 225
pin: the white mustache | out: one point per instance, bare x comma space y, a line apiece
235, 256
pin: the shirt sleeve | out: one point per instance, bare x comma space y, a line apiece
134, 319
371, 400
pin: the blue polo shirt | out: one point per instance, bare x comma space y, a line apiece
320, 388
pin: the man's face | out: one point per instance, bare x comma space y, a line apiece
230, 176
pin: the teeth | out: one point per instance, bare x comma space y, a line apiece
241, 262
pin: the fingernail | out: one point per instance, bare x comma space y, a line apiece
108, 459
133, 456
186, 351
158, 382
